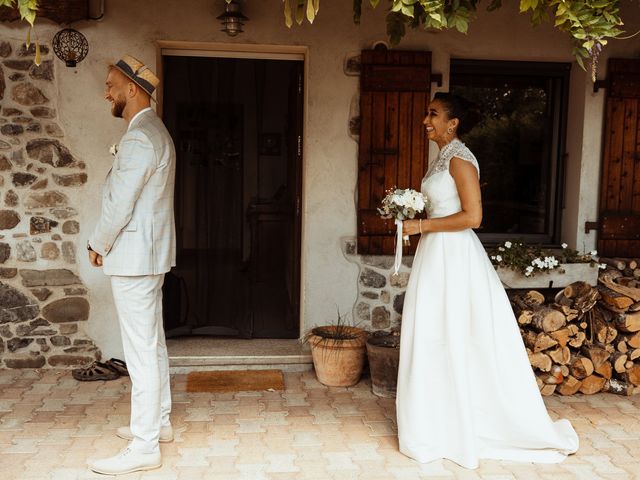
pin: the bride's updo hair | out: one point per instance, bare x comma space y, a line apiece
458, 107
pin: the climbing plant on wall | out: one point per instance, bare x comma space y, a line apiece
27, 9
589, 23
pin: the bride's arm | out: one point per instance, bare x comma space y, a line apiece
468, 185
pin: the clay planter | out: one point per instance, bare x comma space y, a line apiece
338, 362
384, 355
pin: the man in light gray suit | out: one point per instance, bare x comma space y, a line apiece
134, 242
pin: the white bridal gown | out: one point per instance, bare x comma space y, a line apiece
466, 390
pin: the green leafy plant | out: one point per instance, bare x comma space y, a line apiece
27, 9
589, 23
339, 330
531, 259
298, 9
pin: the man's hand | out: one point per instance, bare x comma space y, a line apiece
95, 258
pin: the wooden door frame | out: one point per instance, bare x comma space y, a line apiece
262, 52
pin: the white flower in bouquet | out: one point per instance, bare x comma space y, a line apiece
401, 204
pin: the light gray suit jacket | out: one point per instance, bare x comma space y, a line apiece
136, 231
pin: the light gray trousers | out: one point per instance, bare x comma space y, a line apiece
138, 301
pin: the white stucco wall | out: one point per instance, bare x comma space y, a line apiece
330, 155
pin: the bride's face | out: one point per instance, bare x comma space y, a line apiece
440, 128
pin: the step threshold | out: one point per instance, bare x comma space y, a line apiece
289, 363
206, 353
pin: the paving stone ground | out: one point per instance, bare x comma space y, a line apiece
51, 424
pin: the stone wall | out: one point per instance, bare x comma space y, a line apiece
380, 292
43, 304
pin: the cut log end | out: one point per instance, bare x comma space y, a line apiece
592, 384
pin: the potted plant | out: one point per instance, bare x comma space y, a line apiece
526, 266
383, 353
338, 352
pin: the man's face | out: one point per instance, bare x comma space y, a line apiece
116, 86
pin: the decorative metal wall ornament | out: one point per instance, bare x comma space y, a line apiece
232, 19
70, 46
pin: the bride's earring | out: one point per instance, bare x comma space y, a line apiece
449, 130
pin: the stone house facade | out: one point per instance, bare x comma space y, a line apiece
44, 303
56, 129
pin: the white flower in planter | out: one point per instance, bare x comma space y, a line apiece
602, 266
499, 258
564, 245
529, 271
507, 244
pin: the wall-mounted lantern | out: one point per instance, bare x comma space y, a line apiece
232, 19
70, 46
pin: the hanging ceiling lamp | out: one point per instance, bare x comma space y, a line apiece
70, 46
232, 19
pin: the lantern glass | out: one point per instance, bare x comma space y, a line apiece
232, 19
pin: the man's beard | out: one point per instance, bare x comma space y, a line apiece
118, 107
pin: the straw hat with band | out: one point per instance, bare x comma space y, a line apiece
139, 73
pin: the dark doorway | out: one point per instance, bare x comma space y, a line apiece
237, 127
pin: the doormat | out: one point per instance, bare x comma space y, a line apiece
235, 381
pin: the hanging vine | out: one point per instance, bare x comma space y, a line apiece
589, 23
27, 9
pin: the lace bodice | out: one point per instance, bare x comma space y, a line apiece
441, 190
453, 149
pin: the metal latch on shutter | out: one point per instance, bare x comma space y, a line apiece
588, 226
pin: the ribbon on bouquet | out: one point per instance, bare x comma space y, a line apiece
398, 259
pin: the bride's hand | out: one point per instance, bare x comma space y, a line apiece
411, 227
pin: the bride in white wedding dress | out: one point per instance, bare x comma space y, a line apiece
466, 390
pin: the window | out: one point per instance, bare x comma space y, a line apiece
519, 143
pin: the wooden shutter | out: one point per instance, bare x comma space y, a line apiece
619, 231
394, 95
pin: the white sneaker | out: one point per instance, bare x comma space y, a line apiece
127, 461
166, 433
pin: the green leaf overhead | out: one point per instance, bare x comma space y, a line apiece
589, 23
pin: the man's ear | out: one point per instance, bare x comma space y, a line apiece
132, 89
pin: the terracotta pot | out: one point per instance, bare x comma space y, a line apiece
384, 355
338, 362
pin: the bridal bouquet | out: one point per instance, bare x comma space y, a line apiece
401, 204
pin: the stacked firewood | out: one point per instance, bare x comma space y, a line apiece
585, 339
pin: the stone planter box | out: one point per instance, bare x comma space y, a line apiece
573, 272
